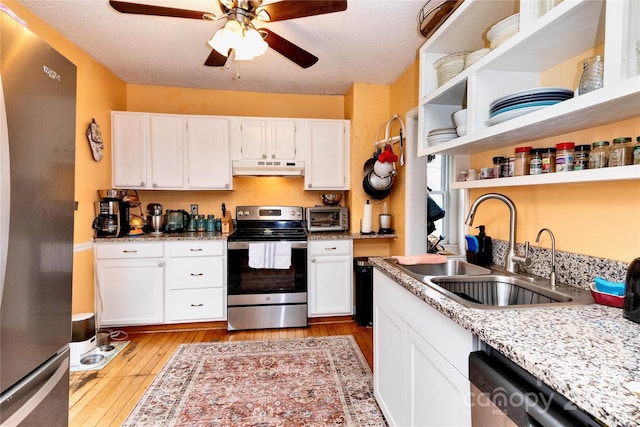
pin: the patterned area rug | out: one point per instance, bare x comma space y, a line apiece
323, 381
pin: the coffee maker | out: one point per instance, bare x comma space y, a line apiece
112, 219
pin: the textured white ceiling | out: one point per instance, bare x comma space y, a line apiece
373, 41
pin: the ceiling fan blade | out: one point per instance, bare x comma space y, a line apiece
287, 49
147, 9
215, 59
291, 9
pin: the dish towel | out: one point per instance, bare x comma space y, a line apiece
421, 259
276, 255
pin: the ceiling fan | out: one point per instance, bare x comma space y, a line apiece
244, 13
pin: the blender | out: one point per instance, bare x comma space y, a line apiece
385, 221
155, 218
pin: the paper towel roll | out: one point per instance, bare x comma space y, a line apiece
367, 218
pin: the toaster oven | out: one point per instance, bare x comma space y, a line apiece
327, 218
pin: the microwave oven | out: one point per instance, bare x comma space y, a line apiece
327, 218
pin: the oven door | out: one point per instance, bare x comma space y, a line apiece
245, 281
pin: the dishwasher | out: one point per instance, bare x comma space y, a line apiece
503, 395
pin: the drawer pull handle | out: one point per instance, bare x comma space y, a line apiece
197, 305
197, 274
333, 248
196, 250
130, 251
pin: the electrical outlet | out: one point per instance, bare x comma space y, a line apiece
194, 209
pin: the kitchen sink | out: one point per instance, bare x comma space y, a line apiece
493, 288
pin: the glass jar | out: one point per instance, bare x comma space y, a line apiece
210, 223
592, 73
564, 156
200, 223
636, 148
621, 152
522, 161
535, 165
549, 160
599, 155
581, 157
499, 167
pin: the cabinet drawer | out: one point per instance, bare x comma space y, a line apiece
330, 247
127, 250
195, 304
193, 248
198, 272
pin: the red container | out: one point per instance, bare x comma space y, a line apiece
606, 299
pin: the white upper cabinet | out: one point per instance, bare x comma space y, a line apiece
544, 41
170, 152
267, 139
129, 148
208, 149
327, 155
166, 157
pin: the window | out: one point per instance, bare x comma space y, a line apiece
438, 176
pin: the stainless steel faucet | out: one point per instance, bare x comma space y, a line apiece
513, 259
552, 278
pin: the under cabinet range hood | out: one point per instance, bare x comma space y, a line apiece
267, 168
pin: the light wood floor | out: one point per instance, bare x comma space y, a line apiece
105, 397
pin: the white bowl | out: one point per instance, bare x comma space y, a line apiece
460, 117
461, 130
506, 23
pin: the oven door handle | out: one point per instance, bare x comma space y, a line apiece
245, 245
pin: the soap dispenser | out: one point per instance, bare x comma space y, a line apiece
484, 256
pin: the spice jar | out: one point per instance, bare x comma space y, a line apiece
636, 148
500, 166
549, 160
522, 161
564, 156
535, 165
599, 155
592, 73
621, 152
581, 157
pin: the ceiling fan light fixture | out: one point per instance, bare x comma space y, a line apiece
227, 37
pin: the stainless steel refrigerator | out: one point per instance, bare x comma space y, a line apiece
37, 154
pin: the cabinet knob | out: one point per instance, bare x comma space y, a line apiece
155, 185
227, 185
142, 184
160, 263
273, 156
313, 260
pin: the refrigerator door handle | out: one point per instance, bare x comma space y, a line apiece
34, 380
5, 194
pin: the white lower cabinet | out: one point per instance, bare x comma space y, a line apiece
330, 283
144, 283
420, 360
196, 279
130, 280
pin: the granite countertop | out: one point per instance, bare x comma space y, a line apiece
219, 236
587, 353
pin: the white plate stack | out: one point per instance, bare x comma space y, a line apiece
503, 30
449, 66
437, 136
474, 56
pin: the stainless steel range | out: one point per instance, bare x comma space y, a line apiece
267, 268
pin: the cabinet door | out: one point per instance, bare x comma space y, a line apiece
166, 152
330, 285
438, 393
130, 291
208, 153
129, 149
282, 139
327, 156
253, 139
388, 362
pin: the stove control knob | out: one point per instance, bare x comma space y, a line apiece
246, 213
